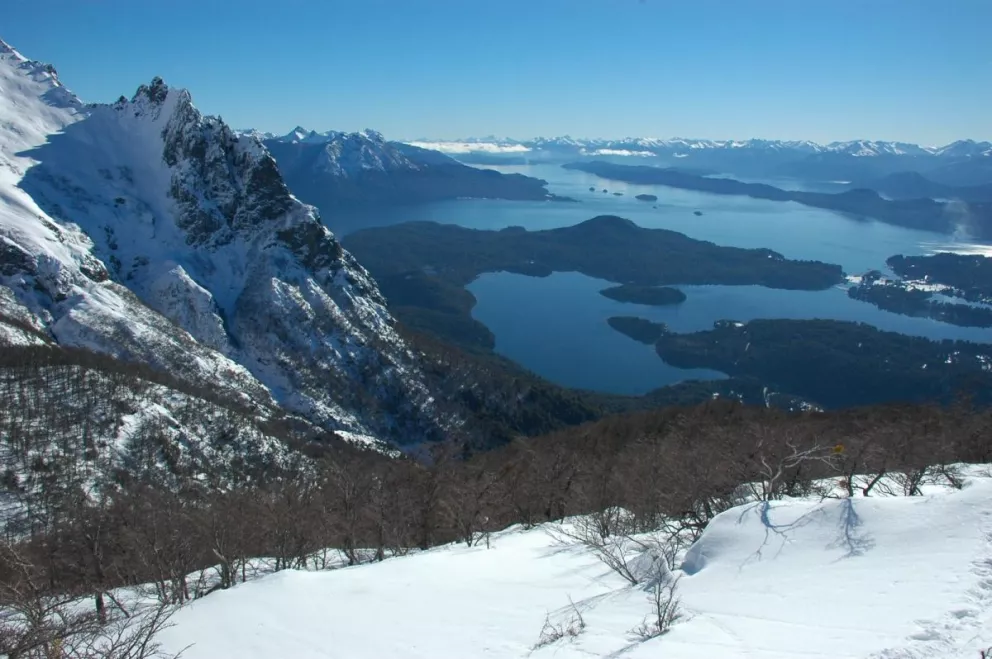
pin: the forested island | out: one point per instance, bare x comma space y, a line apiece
914, 213
646, 197
639, 329
656, 296
423, 267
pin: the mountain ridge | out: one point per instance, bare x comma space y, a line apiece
152, 233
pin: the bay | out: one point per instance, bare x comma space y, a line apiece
556, 326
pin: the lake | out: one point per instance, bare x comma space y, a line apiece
556, 326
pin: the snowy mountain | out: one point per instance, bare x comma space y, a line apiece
149, 232
962, 163
333, 169
658, 145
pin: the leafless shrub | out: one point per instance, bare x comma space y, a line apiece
666, 608
570, 628
607, 535
911, 482
126, 637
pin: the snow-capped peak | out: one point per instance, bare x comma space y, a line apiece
298, 134
965, 149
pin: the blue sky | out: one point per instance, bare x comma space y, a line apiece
912, 70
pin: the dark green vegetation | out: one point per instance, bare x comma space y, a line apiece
902, 298
969, 275
638, 329
423, 267
656, 296
915, 213
646, 197
835, 363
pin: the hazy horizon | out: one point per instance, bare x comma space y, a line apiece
896, 70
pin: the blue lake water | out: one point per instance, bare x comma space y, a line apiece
556, 326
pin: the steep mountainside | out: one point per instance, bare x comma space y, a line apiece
149, 232
334, 169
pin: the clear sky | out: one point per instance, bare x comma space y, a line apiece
914, 70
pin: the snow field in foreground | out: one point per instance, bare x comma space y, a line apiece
868, 577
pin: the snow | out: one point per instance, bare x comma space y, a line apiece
881, 577
618, 152
470, 147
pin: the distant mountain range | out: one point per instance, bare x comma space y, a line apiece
334, 169
960, 163
685, 146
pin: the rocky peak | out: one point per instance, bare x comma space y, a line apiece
156, 92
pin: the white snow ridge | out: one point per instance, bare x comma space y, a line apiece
879, 578
148, 231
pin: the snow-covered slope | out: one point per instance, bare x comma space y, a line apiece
879, 578
146, 230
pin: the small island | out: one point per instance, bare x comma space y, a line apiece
639, 329
592, 189
655, 296
646, 197
617, 194
697, 213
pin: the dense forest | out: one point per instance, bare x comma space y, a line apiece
969, 275
837, 363
904, 298
964, 276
